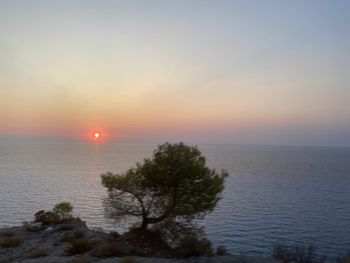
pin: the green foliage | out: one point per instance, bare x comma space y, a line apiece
63, 210
174, 232
46, 217
60, 213
175, 184
185, 238
194, 246
78, 246
11, 241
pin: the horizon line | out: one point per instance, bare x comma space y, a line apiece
159, 141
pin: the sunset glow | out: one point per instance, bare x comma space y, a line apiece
211, 72
97, 136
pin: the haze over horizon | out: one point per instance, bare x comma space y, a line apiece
256, 72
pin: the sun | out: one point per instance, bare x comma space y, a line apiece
97, 136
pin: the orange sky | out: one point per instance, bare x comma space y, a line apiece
205, 72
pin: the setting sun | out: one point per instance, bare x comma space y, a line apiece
97, 135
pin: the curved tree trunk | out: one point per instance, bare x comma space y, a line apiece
144, 224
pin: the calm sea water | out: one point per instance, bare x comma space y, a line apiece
284, 195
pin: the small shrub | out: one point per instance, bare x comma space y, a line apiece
60, 213
11, 241
78, 246
194, 247
78, 234
38, 253
109, 250
111, 247
63, 210
78, 242
66, 237
46, 217
128, 259
8, 234
222, 251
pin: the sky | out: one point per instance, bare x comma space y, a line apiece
241, 72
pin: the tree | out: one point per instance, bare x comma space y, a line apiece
174, 184
63, 210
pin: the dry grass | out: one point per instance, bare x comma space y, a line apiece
78, 234
78, 246
39, 253
11, 241
8, 234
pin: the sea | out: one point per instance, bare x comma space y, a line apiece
274, 195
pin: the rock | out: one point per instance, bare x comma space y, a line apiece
145, 243
47, 247
49, 229
34, 227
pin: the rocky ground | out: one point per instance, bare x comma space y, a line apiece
215, 259
73, 242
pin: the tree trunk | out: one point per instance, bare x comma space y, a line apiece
144, 223
147, 220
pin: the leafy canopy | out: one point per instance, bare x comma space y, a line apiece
174, 183
61, 212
